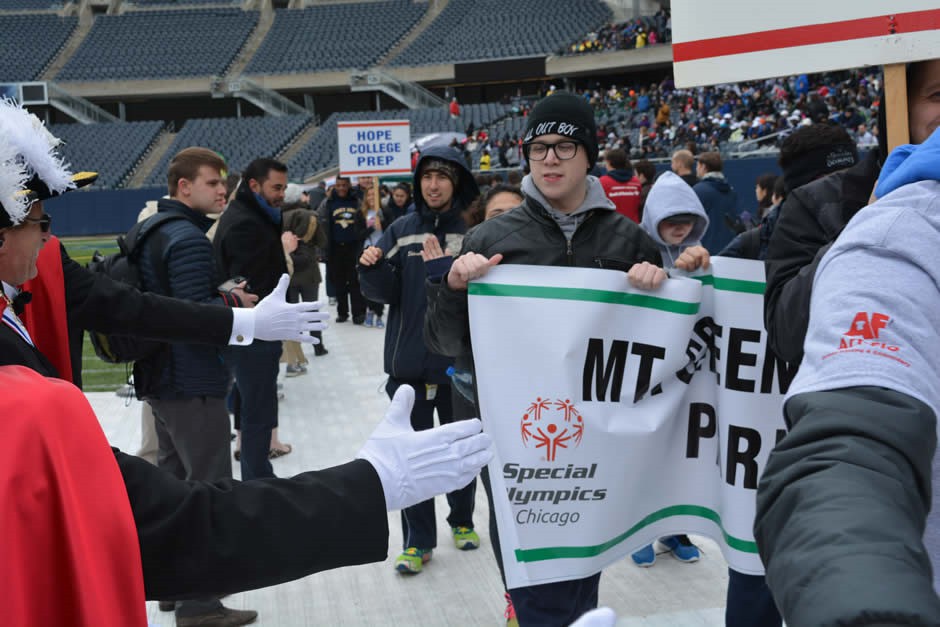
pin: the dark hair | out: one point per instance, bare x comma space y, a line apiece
514, 178
807, 138
186, 163
617, 158
711, 161
476, 212
780, 189
766, 182
646, 168
259, 169
231, 183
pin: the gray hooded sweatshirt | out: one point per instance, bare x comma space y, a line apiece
669, 196
595, 198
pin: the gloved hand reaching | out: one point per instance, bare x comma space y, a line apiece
414, 466
277, 320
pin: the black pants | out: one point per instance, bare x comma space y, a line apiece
750, 603
345, 279
418, 526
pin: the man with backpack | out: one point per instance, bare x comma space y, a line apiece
186, 384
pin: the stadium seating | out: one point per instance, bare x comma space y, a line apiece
334, 36
238, 140
30, 42
161, 44
170, 3
321, 151
111, 149
29, 5
472, 30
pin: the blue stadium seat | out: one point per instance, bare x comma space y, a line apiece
239, 140
30, 42
161, 44
334, 36
111, 149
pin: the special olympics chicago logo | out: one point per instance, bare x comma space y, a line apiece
552, 425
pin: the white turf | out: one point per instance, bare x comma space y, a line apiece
326, 416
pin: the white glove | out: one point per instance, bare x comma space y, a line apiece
414, 466
601, 617
277, 320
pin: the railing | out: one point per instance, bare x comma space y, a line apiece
412, 95
77, 107
266, 99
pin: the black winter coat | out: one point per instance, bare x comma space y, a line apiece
529, 235
810, 219
248, 243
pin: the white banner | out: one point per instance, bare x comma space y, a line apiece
737, 40
374, 148
621, 416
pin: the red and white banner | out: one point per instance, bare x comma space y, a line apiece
737, 40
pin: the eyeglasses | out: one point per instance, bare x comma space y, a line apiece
45, 222
564, 150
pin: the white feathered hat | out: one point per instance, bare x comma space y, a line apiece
30, 167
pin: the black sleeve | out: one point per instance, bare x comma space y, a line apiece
841, 510
447, 321
796, 246
96, 302
205, 539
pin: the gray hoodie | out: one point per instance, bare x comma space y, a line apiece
875, 313
669, 196
595, 198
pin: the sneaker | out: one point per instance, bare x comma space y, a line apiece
342, 318
465, 538
359, 319
295, 371
370, 319
510, 613
222, 617
682, 548
167, 606
320, 350
378, 323
645, 556
412, 560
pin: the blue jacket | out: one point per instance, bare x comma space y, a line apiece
193, 369
398, 280
720, 201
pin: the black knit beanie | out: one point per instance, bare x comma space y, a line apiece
564, 113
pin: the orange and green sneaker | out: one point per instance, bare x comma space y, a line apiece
412, 560
465, 538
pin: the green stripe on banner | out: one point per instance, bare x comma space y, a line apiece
732, 285
567, 552
577, 293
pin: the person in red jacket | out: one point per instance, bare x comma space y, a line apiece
621, 185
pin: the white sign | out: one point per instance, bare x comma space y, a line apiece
622, 416
738, 40
374, 148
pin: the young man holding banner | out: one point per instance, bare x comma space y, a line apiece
566, 220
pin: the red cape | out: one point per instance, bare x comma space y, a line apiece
69, 553
45, 316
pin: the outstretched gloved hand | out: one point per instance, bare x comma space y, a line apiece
277, 320
414, 466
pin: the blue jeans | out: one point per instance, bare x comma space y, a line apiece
418, 525
749, 602
255, 368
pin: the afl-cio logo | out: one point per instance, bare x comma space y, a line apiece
552, 425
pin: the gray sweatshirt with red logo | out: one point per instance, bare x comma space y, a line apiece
842, 517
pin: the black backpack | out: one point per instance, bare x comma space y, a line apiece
122, 266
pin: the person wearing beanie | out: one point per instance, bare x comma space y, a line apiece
393, 272
565, 220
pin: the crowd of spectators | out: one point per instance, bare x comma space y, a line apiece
629, 35
653, 120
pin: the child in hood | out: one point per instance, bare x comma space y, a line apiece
675, 218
